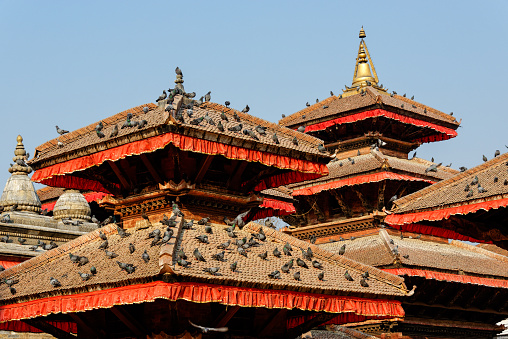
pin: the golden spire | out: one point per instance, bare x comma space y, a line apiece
363, 76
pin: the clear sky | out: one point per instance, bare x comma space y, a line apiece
71, 63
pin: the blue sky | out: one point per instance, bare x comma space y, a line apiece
71, 63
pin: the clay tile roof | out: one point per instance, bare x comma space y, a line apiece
373, 161
374, 250
49, 193
34, 274
79, 142
278, 192
451, 192
338, 106
340, 332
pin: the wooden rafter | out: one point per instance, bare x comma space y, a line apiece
150, 168
225, 316
278, 318
381, 195
235, 180
366, 205
129, 320
471, 309
119, 175
83, 325
306, 326
203, 167
342, 203
313, 202
127, 169
48, 328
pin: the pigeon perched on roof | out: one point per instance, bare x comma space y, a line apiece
178, 71
263, 255
121, 232
110, 255
236, 128
301, 263
198, 255
54, 282
197, 121
276, 252
61, 131
432, 168
485, 158
307, 104
132, 249
209, 120
348, 276
85, 276
261, 130
6, 218
274, 275
203, 239
246, 109
208, 96
497, 153
342, 249
301, 129
481, 189
250, 133
317, 264
296, 275
275, 138
163, 96
321, 148
145, 257
233, 266
475, 180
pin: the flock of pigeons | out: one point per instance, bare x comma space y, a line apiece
243, 247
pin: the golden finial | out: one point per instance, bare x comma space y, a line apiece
362, 34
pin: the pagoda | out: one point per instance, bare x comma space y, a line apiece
381, 207
166, 262
370, 133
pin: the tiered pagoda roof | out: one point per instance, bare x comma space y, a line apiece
471, 203
161, 277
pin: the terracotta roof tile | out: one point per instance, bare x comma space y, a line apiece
278, 192
34, 274
337, 106
49, 193
451, 192
372, 250
156, 116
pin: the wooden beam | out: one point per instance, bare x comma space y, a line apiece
119, 174
235, 180
129, 321
381, 195
278, 318
365, 203
342, 203
48, 328
316, 321
472, 309
82, 325
225, 316
150, 168
203, 167
313, 202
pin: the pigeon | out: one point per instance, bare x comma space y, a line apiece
236, 128
392, 199
263, 255
321, 275
313, 239
61, 131
132, 249
198, 255
261, 130
208, 229
363, 282
208, 96
301, 129
145, 109
204, 221
130, 269
12, 290
237, 117
365, 275
188, 225
290, 263
85, 276
475, 180
110, 255
497, 153
163, 96
145, 257
218, 256
481, 189
469, 194
211, 270
305, 255
462, 168
342, 249
301, 263
74, 258
348, 276
104, 245
321, 148
181, 254
209, 329
21, 240
6, 219
209, 120
296, 276
224, 245
496, 179
121, 232
274, 275
286, 251
232, 267
182, 262
276, 252
45, 212
250, 133
246, 109
33, 248
168, 234
317, 264
227, 103
197, 121
295, 141
220, 127
102, 235
432, 168
155, 240
178, 71
275, 139
54, 282
242, 251
202, 238
154, 233
317, 100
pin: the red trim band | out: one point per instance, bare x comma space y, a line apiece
52, 175
436, 232
466, 279
444, 213
361, 179
201, 293
446, 133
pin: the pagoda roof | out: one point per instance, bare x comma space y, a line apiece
374, 162
452, 192
456, 256
252, 271
342, 105
84, 141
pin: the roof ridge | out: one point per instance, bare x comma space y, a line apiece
306, 110
448, 117
443, 183
61, 250
477, 249
330, 256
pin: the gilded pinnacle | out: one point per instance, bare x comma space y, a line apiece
362, 34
